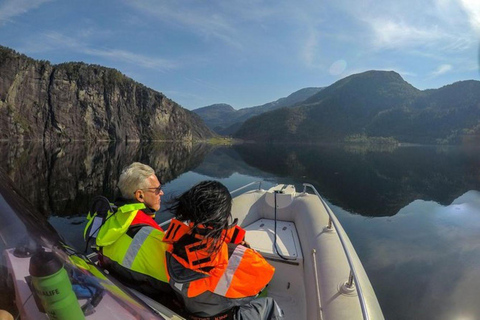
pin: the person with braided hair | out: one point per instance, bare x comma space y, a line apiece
211, 269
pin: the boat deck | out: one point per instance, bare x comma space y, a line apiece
286, 286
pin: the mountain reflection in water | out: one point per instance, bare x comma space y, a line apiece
61, 180
411, 212
373, 182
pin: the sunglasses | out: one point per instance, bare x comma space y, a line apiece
156, 190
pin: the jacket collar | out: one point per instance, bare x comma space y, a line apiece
120, 201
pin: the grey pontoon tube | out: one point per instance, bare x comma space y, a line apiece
353, 272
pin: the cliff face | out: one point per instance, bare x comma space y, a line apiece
75, 101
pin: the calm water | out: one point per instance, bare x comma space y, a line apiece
412, 213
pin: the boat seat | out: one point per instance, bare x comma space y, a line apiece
261, 237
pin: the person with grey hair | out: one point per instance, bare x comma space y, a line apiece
129, 241
139, 182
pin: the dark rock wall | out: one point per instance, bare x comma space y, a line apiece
76, 101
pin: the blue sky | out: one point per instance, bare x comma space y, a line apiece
250, 52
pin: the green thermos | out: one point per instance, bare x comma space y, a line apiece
53, 287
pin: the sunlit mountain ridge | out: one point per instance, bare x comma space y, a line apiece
374, 105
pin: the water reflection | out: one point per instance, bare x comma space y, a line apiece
225, 162
423, 262
372, 183
407, 210
62, 179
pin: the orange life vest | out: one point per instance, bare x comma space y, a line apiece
243, 273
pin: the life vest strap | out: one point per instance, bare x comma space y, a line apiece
176, 230
235, 235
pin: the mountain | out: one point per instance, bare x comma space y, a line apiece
77, 101
373, 104
215, 115
225, 120
443, 115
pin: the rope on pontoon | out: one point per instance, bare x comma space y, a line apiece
317, 287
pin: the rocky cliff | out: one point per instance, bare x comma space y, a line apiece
76, 101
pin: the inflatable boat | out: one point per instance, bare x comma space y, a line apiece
318, 275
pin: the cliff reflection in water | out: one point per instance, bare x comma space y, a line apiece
62, 179
224, 162
372, 182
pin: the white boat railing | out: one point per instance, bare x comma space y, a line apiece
248, 185
352, 277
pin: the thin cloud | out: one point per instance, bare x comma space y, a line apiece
460, 44
57, 41
238, 24
201, 20
158, 64
472, 9
390, 34
409, 27
444, 68
310, 49
12, 8
311, 36
432, 24
250, 27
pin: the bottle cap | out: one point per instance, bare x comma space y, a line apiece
43, 264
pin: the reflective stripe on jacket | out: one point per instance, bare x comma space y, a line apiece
143, 252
